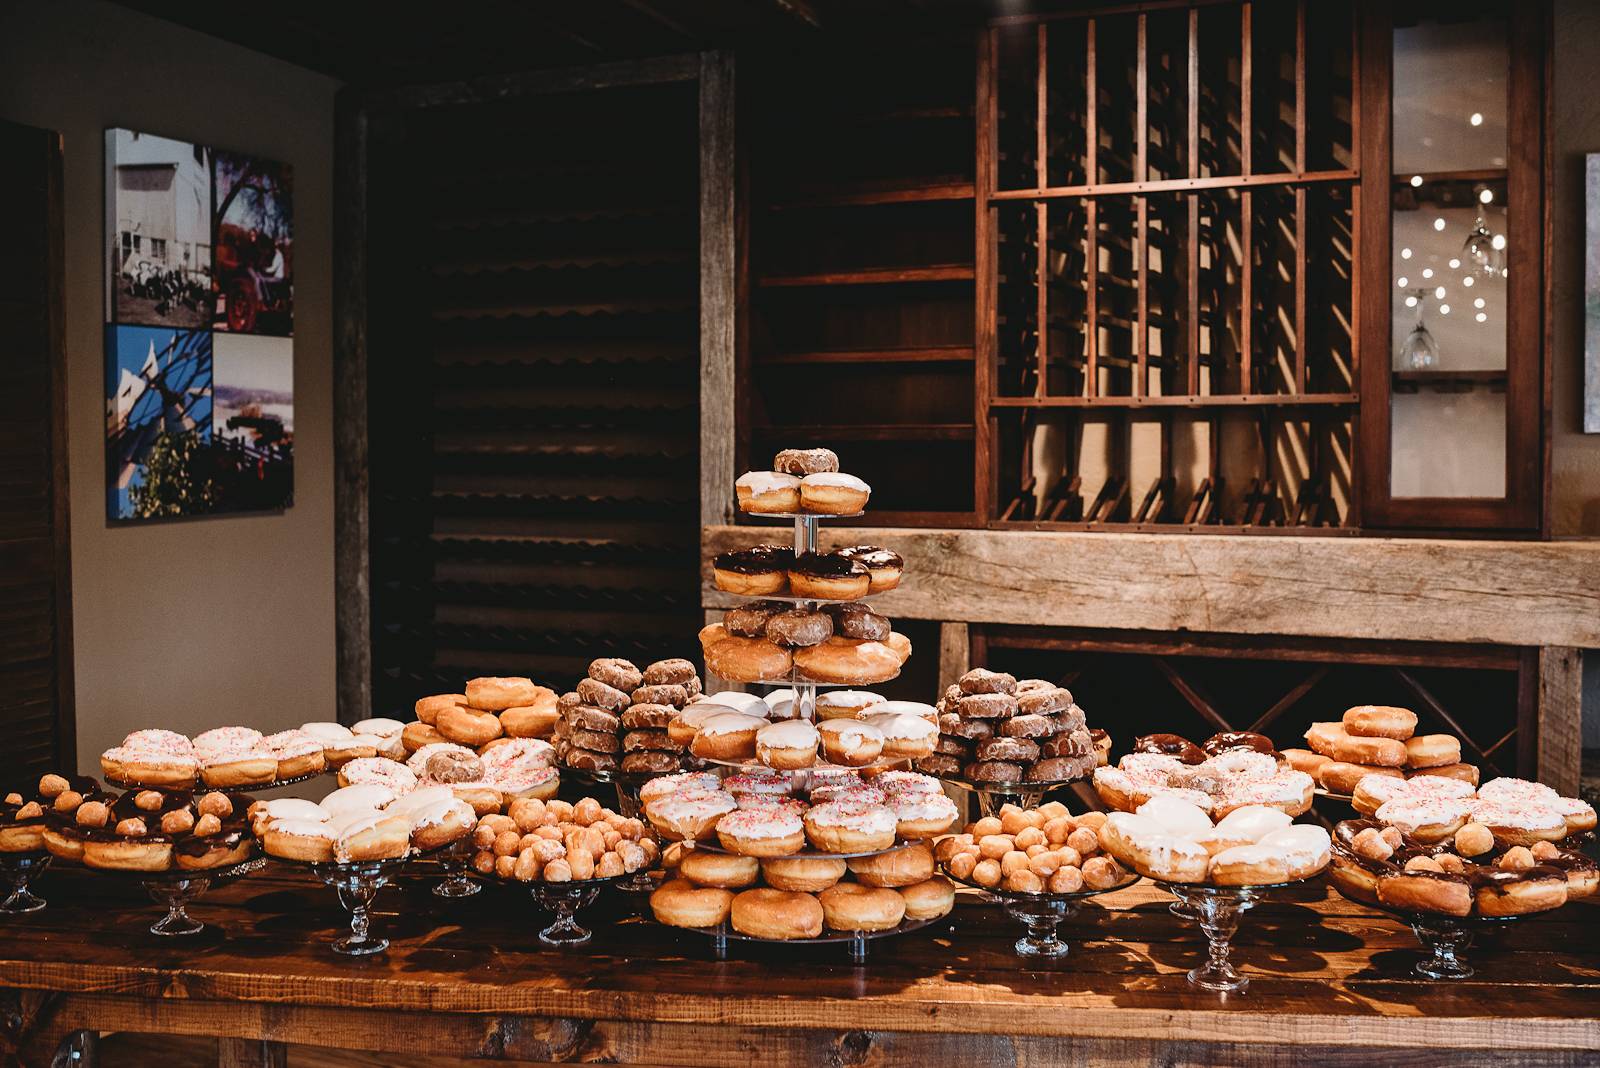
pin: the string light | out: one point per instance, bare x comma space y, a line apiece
1482, 318
1498, 241
1427, 272
1416, 180
1411, 302
1478, 303
1439, 293
1454, 264
1486, 197
1467, 281
1444, 309
1438, 224
1405, 254
1476, 118
1403, 282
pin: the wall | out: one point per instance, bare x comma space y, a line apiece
196, 623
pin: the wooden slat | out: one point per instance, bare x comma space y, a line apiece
1511, 593
1180, 185
1560, 718
352, 487
955, 655
719, 298
986, 460
658, 70
1091, 213
1197, 402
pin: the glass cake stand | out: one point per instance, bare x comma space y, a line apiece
1218, 910
628, 784
857, 942
18, 869
1042, 914
564, 900
1445, 937
993, 796
177, 888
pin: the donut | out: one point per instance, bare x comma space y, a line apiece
674, 671
1249, 865
534, 720
750, 620
798, 628
905, 737
1517, 893
731, 872
767, 831
768, 492
854, 907
883, 566
992, 705
789, 745
802, 462
1047, 701
929, 899
993, 771
748, 703
764, 912
1332, 740
853, 620
1342, 777
802, 874
339, 743
753, 572
686, 724
1168, 744
727, 736
1517, 823
748, 660
648, 738
1229, 741
1432, 750
671, 784
850, 742
1427, 819
1426, 891
1146, 846
849, 827
680, 903
1380, 721
592, 691
360, 836
1372, 787
1305, 760
898, 867
1011, 750
827, 577
688, 815
386, 731
845, 704
615, 672
1060, 769
419, 735
965, 730
1579, 814
842, 661
1076, 743
1467, 773
381, 770
468, 726
649, 717
299, 839
982, 680
1518, 790
437, 822
833, 493
428, 707
589, 759
899, 644
492, 693
670, 694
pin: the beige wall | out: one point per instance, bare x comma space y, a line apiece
205, 622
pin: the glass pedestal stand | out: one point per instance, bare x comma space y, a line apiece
1218, 909
357, 883
1446, 938
18, 869
564, 900
855, 942
1042, 915
177, 888
454, 861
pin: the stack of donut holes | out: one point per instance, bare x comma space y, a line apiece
1042, 850
1229, 770
1376, 740
616, 719
771, 895
994, 729
556, 842
802, 481
141, 830
1464, 875
766, 641
846, 574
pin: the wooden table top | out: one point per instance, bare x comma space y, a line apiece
1324, 971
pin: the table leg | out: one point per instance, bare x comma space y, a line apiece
251, 1053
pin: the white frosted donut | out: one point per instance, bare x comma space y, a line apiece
748, 703
1508, 789
1151, 769
382, 771
357, 797
1175, 816
668, 784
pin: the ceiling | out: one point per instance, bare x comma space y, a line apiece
447, 42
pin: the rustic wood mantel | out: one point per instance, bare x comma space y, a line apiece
1331, 983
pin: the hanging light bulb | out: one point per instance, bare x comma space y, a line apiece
1480, 251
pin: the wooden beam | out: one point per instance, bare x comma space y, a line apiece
352, 579
629, 72
1421, 589
1560, 741
802, 10
719, 298
955, 652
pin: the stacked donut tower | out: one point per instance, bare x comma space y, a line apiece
1377, 740
808, 628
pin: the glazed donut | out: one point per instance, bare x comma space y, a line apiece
1380, 721
680, 903
674, 671
787, 746
647, 738
1467, 773
802, 462
748, 660
987, 706
468, 726
767, 831
1426, 891
649, 717
1332, 740
849, 827
419, 735
850, 742
428, 707
492, 693
731, 872
827, 577
654, 761
727, 736
1342, 777
929, 899
843, 661
601, 695
859, 622
899, 644
1074, 743
1432, 750
1169, 744
993, 771
1307, 761
833, 493
753, 572
1012, 750
802, 874
767, 492
799, 628
1427, 819
1060, 769
898, 867
534, 720
617, 673
1520, 790
884, 567
854, 907
688, 815
660, 694
982, 680
776, 914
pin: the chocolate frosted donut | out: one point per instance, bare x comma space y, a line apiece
568, 701
594, 692
950, 745
590, 718
1227, 741
616, 673
967, 729
805, 461
858, 622
982, 680
1170, 745
649, 739
871, 556
643, 716
1013, 750
1027, 726
664, 694
589, 760
756, 560
988, 706
1043, 701
671, 672
650, 760
941, 764
798, 628
1070, 720
750, 620
825, 565
598, 741
993, 771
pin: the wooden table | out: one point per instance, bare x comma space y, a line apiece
1331, 983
